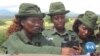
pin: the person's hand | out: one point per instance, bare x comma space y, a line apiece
67, 51
97, 54
78, 49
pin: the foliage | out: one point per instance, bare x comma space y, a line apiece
2, 22
47, 19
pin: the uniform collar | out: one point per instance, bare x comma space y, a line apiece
55, 32
24, 37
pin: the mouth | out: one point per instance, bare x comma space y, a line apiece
36, 29
60, 25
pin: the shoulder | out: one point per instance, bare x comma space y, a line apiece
11, 39
47, 31
71, 32
14, 35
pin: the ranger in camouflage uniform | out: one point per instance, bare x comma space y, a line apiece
84, 27
58, 34
27, 36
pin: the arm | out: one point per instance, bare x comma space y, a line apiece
15, 45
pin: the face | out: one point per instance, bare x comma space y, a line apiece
33, 24
59, 21
84, 31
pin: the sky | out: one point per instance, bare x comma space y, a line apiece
76, 6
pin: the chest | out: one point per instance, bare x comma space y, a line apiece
57, 39
39, 41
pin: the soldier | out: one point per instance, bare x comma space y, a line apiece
25, 33
58, 33
84, 26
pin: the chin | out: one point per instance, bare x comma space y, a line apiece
84, 37
60, 27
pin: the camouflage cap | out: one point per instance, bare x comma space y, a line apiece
89, 19
28, 9
57, 8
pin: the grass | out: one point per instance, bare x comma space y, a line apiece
2, 36
3, 29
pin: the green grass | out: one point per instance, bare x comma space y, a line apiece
2, 36
3, 29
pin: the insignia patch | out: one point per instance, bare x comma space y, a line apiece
49, 39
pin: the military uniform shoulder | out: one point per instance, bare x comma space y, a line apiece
14, 36
70, 30
47, 31
72, 33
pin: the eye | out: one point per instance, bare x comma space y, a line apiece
55, 17
62, 16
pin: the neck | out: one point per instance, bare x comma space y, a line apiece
83, 38
30, 35
61, 31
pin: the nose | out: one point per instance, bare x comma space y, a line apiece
59, 19
37, 24
86, 32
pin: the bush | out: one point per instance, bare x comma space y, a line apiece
47, 19
2, 22
2, 36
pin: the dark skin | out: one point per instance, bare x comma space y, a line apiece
59, 22
84, 32
32, 26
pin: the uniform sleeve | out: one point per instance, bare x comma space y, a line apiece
98, 48
15, 45
8, 47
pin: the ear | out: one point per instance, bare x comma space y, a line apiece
79, 27
22, 22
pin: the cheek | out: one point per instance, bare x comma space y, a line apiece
81, 31
54, 22
90, 33
28, 26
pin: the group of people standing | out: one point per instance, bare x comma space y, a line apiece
28, 35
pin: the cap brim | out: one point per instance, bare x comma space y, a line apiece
40, 15
50, 14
